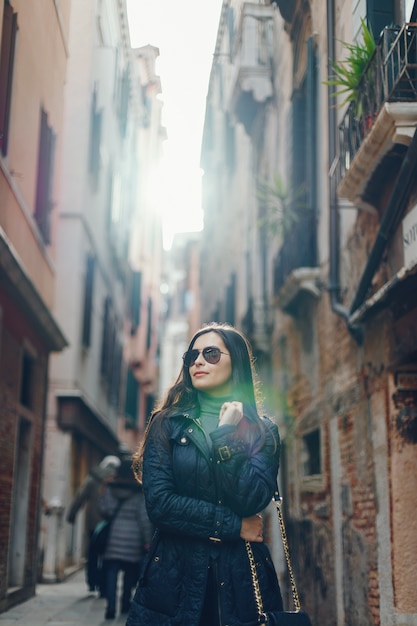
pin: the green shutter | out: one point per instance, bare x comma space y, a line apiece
380, 14
131, 400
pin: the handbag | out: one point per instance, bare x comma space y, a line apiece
278, 618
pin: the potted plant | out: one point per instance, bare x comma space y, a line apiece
281, 207
347, 74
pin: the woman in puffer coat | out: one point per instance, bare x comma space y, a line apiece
209, 467
129, 536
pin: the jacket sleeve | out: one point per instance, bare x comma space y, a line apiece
81, 497
145, 525
246, 469
175, 513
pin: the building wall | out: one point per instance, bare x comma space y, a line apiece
331, 376
28, 330
180, 312
33, 87
103, 115
142, 347
22, 426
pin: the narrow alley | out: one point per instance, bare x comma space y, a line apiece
65, 604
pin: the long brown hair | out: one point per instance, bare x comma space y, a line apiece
182, 394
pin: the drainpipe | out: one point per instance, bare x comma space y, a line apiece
390, 220
334, 232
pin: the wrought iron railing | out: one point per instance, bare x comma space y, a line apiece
390, 76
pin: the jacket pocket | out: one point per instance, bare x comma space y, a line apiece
160, 585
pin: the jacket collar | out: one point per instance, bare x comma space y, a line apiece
189, 413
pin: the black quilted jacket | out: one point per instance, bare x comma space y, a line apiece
197, 492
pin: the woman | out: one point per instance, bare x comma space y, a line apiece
209, 466
129, 536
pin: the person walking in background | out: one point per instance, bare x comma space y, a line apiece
129, 537
88, 496
208, 465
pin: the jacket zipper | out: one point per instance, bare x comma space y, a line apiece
196, 420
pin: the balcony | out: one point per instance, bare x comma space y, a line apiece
252, 60
388, 111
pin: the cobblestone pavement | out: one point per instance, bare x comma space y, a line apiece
63, 604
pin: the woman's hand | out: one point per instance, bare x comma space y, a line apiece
231, 413
252, 528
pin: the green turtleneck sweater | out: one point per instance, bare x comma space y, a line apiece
210, 409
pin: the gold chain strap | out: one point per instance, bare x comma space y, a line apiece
296, 598
255, 584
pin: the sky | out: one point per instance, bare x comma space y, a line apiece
185, 32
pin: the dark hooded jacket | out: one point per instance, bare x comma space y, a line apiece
197, 489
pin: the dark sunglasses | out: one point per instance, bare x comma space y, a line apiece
211, 354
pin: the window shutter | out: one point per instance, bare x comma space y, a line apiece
96, 116
149, 328
131, 400
135, 300
380, 14
88, 301
114, 386
230, 301
8, 41
106, 337
46, 157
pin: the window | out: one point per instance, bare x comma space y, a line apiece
88, 301
124, 92
150, 405
43, 206
111, 354
230, 301
149, 326
107, 338
135, 300
230, 143
114, 382
299, 248
96, 116
131, 400
311, 453
26, 381
380, 14
8, 42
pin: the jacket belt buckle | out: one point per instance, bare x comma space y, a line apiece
224, 453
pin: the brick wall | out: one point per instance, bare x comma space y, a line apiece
15, 332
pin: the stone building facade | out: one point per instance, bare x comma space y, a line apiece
107, 298
80, 264
145, 257
31, 129
309, 247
